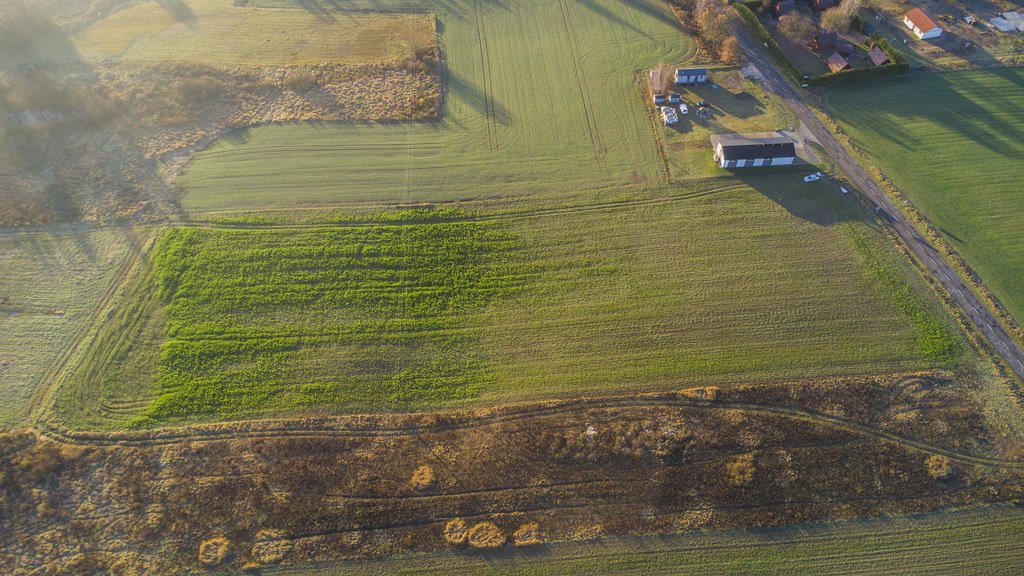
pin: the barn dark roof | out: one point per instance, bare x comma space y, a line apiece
785, 7
825, 40
746, 149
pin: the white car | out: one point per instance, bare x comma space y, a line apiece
683, 109
813, 177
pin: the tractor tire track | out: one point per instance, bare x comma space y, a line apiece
44, 394
517, 413
581, 81
485, 75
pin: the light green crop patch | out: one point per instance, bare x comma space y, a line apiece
374, 316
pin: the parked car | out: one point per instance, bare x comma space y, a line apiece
813, 177
844, 189
669, 116
683, 109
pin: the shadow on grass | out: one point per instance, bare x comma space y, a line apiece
180, 11
955, 101
818, 202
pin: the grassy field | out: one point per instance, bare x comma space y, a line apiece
540, 96
218, 32
50, 285
973, 541
954, 144
511, 301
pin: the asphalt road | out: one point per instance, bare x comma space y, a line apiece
1004, 345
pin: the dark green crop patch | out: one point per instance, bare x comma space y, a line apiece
375, 316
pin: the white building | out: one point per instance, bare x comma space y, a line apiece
739, 151
691, 76
922, 25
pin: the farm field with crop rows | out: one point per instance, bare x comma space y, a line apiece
972, 541
954, 144
433, 309
540, 96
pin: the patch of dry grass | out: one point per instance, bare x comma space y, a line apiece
218, 32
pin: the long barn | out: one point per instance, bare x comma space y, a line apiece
739, 151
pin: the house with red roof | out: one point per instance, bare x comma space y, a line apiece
922, 24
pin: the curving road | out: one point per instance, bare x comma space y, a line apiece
1001, 341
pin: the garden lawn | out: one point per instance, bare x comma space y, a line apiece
954, 144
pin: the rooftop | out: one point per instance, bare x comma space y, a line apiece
918, 18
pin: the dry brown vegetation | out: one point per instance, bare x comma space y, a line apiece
324, 489
527, 535
80, 140
486, 535
713, 23
214, 551
423, 478
456, 531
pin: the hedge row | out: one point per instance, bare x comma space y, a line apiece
855, 74
755, 25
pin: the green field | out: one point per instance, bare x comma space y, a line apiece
512, 301
218, 32
540, 96
982, 541
954, 144
50, 285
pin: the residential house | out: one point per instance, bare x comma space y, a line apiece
824, 41
922, 25
784, 7
836, 62
877, 57
691, 75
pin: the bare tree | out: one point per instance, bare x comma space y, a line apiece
797, 27
661, 77
838, 18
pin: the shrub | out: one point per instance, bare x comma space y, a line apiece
455, 531
214, 551
423, 478
301, 81
486, 535
197, 90
741, 470
527, 535
939, 466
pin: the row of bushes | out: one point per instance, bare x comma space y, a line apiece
898, 63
